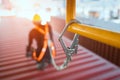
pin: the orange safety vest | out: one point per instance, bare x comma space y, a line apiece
46, 38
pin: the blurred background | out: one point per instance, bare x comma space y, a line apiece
107, 10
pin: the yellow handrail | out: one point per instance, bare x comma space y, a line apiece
70, 10
104, 36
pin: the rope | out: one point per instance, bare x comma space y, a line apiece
62, 66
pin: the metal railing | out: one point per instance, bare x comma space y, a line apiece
99, 34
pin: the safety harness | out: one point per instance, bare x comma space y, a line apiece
69, 51
45, 44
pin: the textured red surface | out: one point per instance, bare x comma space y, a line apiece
15, 66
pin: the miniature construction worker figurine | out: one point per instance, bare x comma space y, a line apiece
39, 34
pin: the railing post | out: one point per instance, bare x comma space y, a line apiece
70, 10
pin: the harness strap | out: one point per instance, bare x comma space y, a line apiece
53, 49
42, 53
40, 30
46, 37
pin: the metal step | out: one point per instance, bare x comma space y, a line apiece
15, 66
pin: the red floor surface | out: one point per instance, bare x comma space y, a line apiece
15, 66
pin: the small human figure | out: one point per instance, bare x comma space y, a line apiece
38, 34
